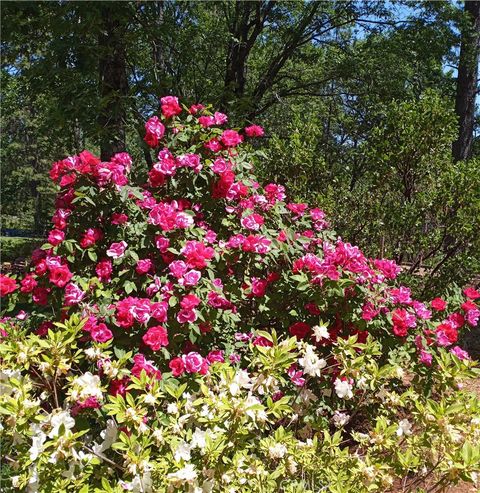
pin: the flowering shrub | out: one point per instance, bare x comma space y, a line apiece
200, 332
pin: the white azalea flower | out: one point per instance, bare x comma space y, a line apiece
277, 451
85, 386
182, 451
59, 419
242, 378
404, 428
199, 439
340, 419
343, 389
320, 332
172, 408
37, 445
185, 475
311, 363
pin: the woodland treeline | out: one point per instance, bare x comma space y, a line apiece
369, 107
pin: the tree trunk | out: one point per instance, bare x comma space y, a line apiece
245, 26
113, 80
157, 52
467, 81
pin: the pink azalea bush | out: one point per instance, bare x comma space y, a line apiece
186, 276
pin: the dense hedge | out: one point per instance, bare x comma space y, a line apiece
12, 248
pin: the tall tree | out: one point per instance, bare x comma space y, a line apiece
245, 24
113, 79
467, 81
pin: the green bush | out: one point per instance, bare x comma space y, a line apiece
12, 248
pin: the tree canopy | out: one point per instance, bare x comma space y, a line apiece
362, 100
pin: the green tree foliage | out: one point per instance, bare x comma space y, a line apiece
348, 91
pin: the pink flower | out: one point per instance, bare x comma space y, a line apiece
170, 106
274, 192
197, 254
402, 321
141, 363
231, 138
456, 320
257, 244
218, 301
253, 221
317, 214
101, 333
104, 270
186, 316
60, 217
162, 243
190, 161
193, 362
296, 376
154, 131
401, 295
438, 304
177, 366
220, 118
387, 267
254, 131
166, 163
472, 317
460, 353
471, 293
54, 261
178, 268
234, 358
221, 166
190, 301
213, 145
141, 310
369, 312
421, 310
117, 250
298, 209
195, 108
7, 285
258, 286
206, 121
143, 266
156, 337
425, 358
55, 237
159, 311
446, 333
130, 309
90, 237
60, 275
166, 216
215, 356
118, 218
73, 294
191, 277
28, 283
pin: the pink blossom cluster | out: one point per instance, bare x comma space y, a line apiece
202, 256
